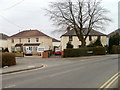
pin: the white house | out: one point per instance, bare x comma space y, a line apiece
71, 36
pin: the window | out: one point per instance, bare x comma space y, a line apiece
12, 49
90, 38
12, 40
35, 49
20, 40
37, 39
70, 38
28, 39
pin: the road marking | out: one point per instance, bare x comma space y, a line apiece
110, 81
27, 70
10, 86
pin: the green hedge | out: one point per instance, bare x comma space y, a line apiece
7, 59
115, 49
98, 50
87, 51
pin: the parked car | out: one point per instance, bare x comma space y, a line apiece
57, 52
28, 52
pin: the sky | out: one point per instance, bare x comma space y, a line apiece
19, 15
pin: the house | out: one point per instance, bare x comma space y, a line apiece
114, 32
33, 40
70, 35
3, 41
56, 44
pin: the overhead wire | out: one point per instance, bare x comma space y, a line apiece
10, 21
14, 5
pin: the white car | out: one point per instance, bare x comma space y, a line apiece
28, 52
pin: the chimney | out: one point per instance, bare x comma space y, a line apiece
68, 29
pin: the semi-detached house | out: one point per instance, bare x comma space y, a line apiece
71, 36
33, 40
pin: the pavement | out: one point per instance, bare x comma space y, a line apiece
77, 72
20, 67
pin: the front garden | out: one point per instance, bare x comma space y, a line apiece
95, 48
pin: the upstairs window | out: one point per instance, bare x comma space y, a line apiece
37, 39
28, 39
12, 40
70, 38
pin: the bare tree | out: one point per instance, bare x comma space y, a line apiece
79, 15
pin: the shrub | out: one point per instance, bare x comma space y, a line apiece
115, 49
99, 50
6, 50
96, 43
7, 59
69, 45
18, 51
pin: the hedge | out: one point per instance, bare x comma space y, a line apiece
98, 50
7, 59
87, 51
115, 49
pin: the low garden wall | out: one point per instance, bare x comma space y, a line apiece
87, 51
19, 54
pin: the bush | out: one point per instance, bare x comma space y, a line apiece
96, 43
86, 51
18, 51
7, 59
6, 50
69, 45
115, 49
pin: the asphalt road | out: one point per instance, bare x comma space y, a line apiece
88, 72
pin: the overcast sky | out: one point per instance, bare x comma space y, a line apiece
19, 15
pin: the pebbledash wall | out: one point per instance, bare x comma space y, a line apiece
3, 43
43, 40
75, 42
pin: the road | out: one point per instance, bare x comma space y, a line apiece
89, 72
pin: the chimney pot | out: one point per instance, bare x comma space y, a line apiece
68, 29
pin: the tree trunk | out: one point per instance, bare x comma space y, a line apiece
83, 43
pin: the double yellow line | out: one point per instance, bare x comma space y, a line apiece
110, 82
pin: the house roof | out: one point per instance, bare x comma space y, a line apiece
55, 40
92, 33
114, 32
28, 33
3, 36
